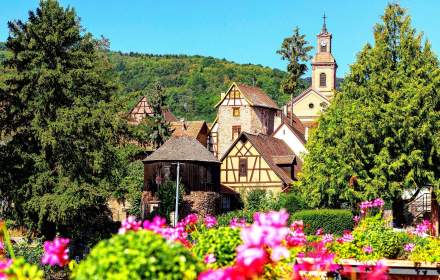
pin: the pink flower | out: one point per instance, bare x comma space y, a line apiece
130, 224
367, 249
327, 238
279, 253
272, 218
378, 202
2, 246
409, 247
252, 260
156, 223
191, 220
56, 252
346, 237
356, 219
423, 228
4, 264
210, 221
209, 258
320, 231
235, 222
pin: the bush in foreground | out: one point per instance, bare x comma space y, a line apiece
330, 220
138, 255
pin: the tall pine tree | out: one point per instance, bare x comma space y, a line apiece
380, 136
59, 125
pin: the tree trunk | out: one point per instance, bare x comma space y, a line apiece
398, 208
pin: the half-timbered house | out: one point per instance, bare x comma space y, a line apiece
258, 161
242, 108
142, 109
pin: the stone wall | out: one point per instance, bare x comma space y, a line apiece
201, 203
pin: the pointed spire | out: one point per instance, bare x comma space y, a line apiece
324, 26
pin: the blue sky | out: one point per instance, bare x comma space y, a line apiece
244, 31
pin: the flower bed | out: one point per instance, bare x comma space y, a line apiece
267, 248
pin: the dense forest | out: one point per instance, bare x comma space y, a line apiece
193, 83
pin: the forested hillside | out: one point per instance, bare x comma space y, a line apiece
193, 83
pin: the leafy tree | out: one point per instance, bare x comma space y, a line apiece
60, 126
380, 136
167, 197
295, 49
159, 128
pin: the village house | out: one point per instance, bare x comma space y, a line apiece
199, 173
142, 109
196, 129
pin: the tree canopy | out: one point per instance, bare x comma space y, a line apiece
381, 134
60, 126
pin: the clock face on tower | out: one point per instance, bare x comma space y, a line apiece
323, 43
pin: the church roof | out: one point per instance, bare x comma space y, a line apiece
183, 148
254, 95
323, 58
274, 151
304, 93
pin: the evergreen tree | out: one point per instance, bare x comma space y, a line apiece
380, 135
60, 127
295, 50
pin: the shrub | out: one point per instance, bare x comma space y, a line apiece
330, 220
428, 250
167, 196
372, 232
138, 255
290, 201
222, 242
21, 270
225, 219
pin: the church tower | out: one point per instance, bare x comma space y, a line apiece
324, 64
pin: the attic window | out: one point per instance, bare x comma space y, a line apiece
236, 111
311, 105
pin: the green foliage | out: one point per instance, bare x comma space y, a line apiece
375, 232
167, 197
290, 201
61, 128
426, 250
138, 255
382, 130
21, 270
330, 220
221, 241
225, 219
259, 200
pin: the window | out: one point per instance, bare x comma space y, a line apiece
323, 48
236, 111
236, 129
235, 94
226, 202
243, 167
322, 80
311, 105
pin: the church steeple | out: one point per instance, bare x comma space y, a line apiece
323, 64
324, 26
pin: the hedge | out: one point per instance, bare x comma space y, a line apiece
330, 220
225, 219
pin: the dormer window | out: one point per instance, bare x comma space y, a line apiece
322, 80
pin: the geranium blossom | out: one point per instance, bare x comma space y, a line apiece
209, 258
376, 203
356, 219
235, 222
327, 238
2, 246
409, 247
130, 224
4, 264
346, 237
320, 231
423, 228
56, 252
367, 249
210, 221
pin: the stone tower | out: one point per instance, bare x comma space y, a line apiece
324, 64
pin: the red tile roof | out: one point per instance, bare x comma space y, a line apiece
257, 96
187, 128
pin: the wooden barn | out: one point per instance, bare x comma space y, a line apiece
258, 161
199, 174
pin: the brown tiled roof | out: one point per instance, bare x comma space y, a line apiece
323, 57
297, 128
183, 148
257, 97
187, 128
272, 150
169, 117
227, 190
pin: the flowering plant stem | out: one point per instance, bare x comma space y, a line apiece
4, 230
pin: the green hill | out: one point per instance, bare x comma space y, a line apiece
193, 83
